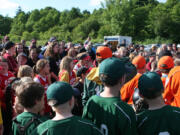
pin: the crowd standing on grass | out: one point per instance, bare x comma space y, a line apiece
65, 88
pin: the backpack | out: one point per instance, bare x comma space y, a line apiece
22, 129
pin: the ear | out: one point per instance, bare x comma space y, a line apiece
71, 102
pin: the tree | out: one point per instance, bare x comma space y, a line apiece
5, 25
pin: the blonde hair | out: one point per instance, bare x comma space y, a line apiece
25, 71
65, 64
40, 65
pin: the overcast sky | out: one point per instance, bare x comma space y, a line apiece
9, 7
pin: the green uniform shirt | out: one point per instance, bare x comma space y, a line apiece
163, 121
90, 88
111, 115
70, 126
23, 119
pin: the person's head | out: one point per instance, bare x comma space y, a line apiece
3, 65
165, 64
169, 47
66, 64
72, 52
83, 58
10, 48
136, 47
52, 40
23, 42
141, 48
6, 39
62, 43
177, 62
82, 72
22, 58
174, 47
52, 50
152, 56
112, 72
88, 46
164, 53
19, 48
122, 51
31, 95
33, 42
164, 47
42, 67
70, 45
33, 53
154, 48
102, 53
25, 71
150, 85
140, 64
60, 97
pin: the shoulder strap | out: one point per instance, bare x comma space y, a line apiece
22, 129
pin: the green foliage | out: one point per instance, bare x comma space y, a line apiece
147, 21
5, 25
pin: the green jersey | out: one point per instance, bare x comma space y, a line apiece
111, 115
29, 121
163, 121
70, 126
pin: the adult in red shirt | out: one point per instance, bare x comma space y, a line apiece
9, 55
152, 58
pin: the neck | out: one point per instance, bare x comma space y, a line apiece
31, 110
111, 91
156, 103
62, 115
42, 74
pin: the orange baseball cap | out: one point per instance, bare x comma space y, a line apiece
139, 62
166, 62
103, 52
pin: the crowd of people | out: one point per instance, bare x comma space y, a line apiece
74, 89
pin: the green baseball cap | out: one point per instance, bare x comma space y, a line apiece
60, 92
112, 67
150, 84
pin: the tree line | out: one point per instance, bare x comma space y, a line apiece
141, 19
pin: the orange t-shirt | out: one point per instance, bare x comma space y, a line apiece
127, 90
172, 87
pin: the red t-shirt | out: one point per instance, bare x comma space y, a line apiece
3, 84
44, 82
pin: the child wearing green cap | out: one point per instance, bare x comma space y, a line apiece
107, 110
60, 98
31, 97
159, 119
